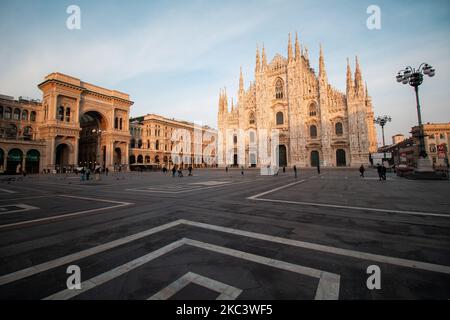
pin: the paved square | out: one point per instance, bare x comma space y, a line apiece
221, 235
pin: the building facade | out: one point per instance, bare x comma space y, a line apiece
76, 123
437, 139
154, 141
317, 124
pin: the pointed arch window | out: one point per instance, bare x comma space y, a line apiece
312, 110
16, 114
24, 115
339, 129
8, 112
251, 118
313, 131
279, 89
280, 118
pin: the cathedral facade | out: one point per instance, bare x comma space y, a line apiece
315, 123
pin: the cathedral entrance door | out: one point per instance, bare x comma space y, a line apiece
282, 156
314, 158
340, 158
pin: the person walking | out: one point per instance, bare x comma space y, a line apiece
190, 171
88, 173
106, 171
383, 172
295, 171
318, 168
226, 169
242, 170
361, 171
380, 172
284, 169
174, 170
82, 174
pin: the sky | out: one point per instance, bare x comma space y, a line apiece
174, 56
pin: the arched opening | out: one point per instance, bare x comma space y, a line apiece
315, 158
338, 128
16, 114
157, 159
11, 131
133, 143
282, 156
33, 116
140, 159
62, 156
32, 161
117, 156
252, 160
24, 115
14, 161
8, 112
147, 159
2, 161
132, 159
90, 151
280, 118
312, 110
235, 159
340, 158
279, 89
28, 133
313, 132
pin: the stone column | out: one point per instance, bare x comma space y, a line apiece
127, 156
75, 152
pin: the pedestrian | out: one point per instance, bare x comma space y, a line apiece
318, 168
190, 171
88, 173
383, 172
295, 171
284, 169
380, 172
180, 173
106, 171
361, 171
174, 170
226, 169
83, 174
242, 170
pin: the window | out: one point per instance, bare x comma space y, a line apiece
8, 113
252, 137
432, 148
116, 123
339, 129
16, 114
33, 116
442, 136
120, 124
313, 131
235, 139
28, 133
61, 113
11, 131
312, 110
67, 114
280, 118
157, 145
251, 118
432, 136
279, 89
24, 115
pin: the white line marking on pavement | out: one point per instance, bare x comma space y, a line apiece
22, 208
226, 292
257, 197
66, 215
114, 273
7, 190
296, 243
328, 288
273, 190
24, 273
323, 248
189, 188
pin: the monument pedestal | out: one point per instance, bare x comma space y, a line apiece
425, 171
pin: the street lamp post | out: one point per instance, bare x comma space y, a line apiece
382, 121
414, 77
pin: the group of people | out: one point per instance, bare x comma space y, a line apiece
178, 171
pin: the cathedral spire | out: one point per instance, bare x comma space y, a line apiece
297, 47
258, 62
264, 59
290, 54
322, 71
241, 82
306, 53
359, 87
349, 77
